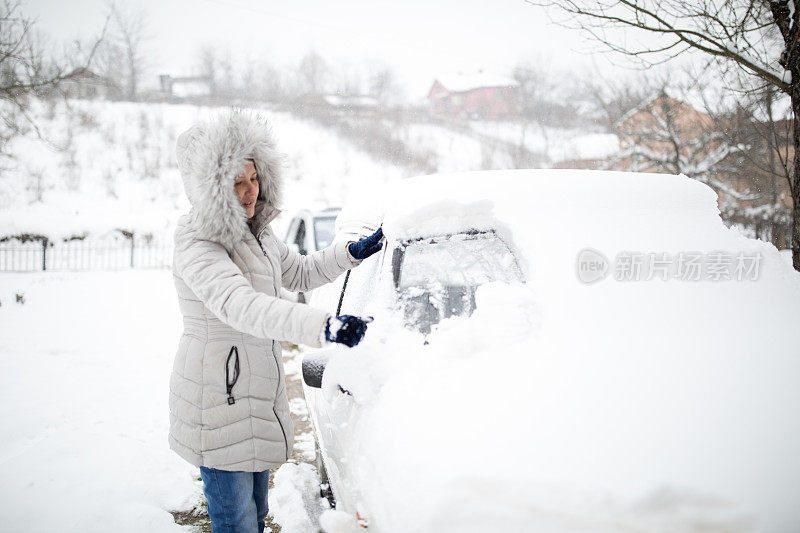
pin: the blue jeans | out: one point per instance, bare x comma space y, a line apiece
237, 501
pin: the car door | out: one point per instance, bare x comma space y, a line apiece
332, 408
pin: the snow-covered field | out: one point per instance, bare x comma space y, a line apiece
84, 378
84, 374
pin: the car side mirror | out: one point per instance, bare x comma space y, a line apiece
313, 368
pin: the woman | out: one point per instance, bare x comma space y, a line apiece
229, 413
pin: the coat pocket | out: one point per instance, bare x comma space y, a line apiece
231, 373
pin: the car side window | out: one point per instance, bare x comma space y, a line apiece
437, 278
324, 231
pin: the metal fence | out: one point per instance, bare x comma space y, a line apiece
114, 254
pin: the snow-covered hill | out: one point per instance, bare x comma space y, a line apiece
103, 166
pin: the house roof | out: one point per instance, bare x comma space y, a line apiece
459, 83
83, 74
649, 104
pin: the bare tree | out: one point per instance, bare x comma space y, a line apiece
381, 82
106, 64
532, 84
384, 85
208, 64
272, 82
759, 126
25, 70
535, 87
668, 135
729, 144
312, 73
545, 95
349, 80
609, 101
755, 41
227, 72
129, 39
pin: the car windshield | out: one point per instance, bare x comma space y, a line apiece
436, 278
324, 231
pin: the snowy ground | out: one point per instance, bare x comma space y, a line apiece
84, 372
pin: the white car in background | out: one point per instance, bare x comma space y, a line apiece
309, 231
500, 388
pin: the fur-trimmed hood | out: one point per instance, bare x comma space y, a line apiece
210, 157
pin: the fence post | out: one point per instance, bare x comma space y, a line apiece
44, 254
132, 248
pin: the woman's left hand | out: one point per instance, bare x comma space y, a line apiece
367, 246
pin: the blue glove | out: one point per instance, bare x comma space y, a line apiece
367, 246
346, 329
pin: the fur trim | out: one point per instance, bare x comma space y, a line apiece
210, 157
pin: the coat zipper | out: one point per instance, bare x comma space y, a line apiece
277, 363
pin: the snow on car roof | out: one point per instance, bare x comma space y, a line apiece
457, 202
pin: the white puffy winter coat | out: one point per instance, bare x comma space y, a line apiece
228, 405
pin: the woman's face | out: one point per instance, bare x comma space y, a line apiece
246, 186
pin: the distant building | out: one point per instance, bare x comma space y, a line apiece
668, 135
184, 87
474, 96
664, 130
83, 83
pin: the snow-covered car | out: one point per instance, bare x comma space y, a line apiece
561, 351
309, 231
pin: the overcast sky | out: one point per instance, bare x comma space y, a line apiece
420, 39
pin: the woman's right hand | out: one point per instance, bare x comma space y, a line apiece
346, 329
367, 246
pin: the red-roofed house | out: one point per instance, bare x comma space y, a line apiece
474, 96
